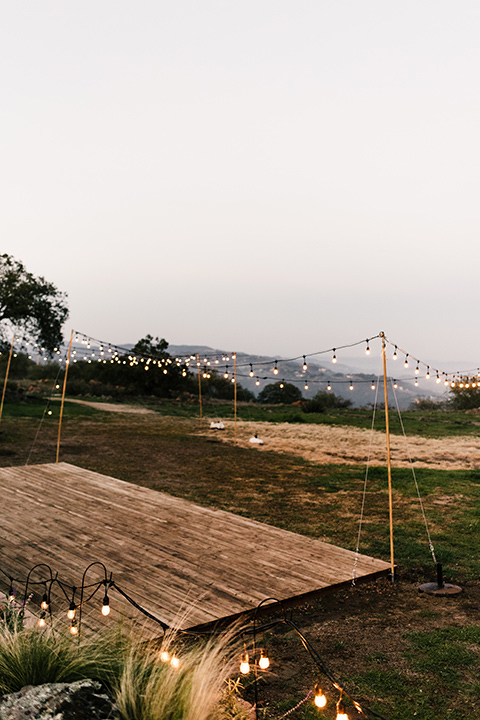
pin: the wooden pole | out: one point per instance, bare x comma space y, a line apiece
235, 399
199, 385
389, 462
63, 396
6, 377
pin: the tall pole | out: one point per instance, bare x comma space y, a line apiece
235, 398
199, 385
389, 462
63, 396
6, 377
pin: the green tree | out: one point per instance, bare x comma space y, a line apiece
279, 393
464, 398
325, 400
30, 305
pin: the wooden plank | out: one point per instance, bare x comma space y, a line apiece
163, 551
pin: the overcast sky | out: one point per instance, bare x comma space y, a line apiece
273, 177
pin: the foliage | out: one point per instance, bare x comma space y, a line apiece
279, 393
464, 398
427, 404
325, 400
30, 305
216, 387
143, 685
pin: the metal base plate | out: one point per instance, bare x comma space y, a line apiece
433, 589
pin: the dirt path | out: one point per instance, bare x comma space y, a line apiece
336, 444
113, 407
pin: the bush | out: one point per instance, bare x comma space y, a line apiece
325, 400
279, 393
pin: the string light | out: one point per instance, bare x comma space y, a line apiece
245, 664
275, 369
341, 714
351, 386
257, 381
394, 356
334, 358
320, 700
395, 385
417, 370
175, 662
373, 385
282, 384
72, 611
106, 606
305, 387
41, 620
251, 373
165, 656
305, 366
264, 661
44, 603
74, 627
427, 374
329, 387
367, 349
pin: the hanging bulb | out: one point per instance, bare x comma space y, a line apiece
44, 603
264, 661
367, 349
351, 386
416, 382
334, 358
257, 381
71, 611
445, 382
275, 369
417, 370
427, 374
106, 606
225, 374
329, 387
282, 384
165, 656
11, 594
438, 379
394, 356
74, 628
341, 714
245, 664
373, 385
251, 373
175, 662
320, 700
452, 384
41, 620
405, 364
395, 385
305, 387
305, 366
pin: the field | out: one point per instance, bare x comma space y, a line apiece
405, 653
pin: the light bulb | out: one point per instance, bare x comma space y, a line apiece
251, 373
244, 664
334, 358
417, 370
305, 366
427, 374
438, 379
257, 382
175, 662
406, 361
329, 387
74, 628
367, 349
394, 356
71, 611
395, 385
275, 369
44, 603
282, 385
11, 594
106, 606
373, 385
320, 700
306, 386
341, 714
41, 620
351, 386
264, 661
165, 656
416, 382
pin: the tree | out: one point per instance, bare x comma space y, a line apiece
279, 393
30, 305
325, 400
465, 398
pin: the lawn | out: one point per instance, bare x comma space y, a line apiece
408, 654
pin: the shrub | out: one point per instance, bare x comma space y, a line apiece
325, 400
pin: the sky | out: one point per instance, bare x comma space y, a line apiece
274, 177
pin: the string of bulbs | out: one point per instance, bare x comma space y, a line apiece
257, 659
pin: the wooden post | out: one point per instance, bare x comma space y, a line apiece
235, 399
6, 377
63, 396
389, 462
199, 385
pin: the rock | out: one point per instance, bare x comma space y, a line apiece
81, 700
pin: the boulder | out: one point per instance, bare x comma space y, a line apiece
81, 700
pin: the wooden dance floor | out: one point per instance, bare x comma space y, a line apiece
168, 554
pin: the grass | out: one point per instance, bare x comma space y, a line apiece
143, 685
406, 654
